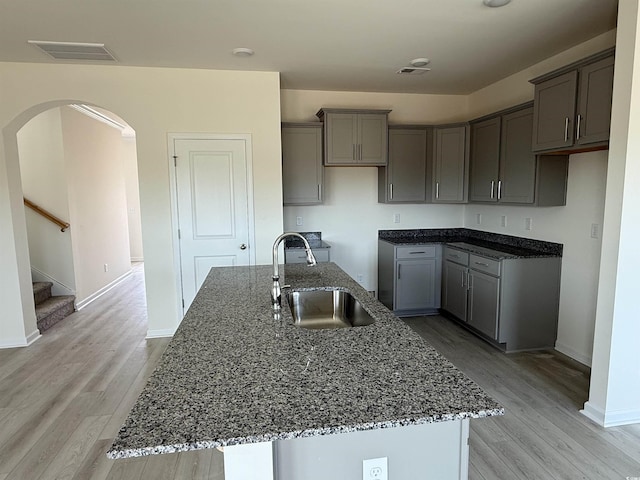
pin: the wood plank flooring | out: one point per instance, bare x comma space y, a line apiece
63, 399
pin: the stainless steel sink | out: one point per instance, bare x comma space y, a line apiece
318, 309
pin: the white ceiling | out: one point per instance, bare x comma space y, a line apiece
353, 45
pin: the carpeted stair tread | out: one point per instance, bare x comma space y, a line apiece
54, 309
41, 291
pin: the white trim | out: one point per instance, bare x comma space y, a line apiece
570, 352
94, 296
20, 342
161, 333
58, 288
171, 139
610, 419
593, 413
137, 259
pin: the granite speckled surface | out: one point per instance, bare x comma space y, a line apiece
511, 246
233, 373
314, 239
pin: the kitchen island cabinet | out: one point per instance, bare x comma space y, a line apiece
288, 402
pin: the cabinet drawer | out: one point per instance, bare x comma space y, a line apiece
416, 251
484, 264
298, 255
457, 256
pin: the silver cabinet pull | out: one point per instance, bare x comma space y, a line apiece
493, 183
391, 191
360, 152
566, 129
481, 264
469, 278
353, 151
578, 127
499, 189
454, 256
437, 189
399, 266
415, 253
319, 192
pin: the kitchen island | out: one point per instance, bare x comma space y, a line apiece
238, 376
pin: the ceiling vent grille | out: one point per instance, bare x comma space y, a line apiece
413, 70
75, 51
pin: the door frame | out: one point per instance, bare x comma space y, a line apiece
248, 148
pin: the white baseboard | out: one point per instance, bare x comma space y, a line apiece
610, 419
20, 342
570, 352
58, 288
94, 296
160, 333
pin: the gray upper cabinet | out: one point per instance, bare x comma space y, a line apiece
405, 178
450, 164
355, 137
302, 170
484, 160
503, 169
572, 105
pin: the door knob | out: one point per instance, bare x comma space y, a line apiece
243, 247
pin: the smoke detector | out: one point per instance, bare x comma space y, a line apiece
418, 67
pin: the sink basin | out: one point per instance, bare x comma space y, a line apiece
317, 309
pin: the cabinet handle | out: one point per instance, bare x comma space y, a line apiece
454, 255
319, 192
469, 278
399, 267
360, 152
415, 253
578, 127
353, 151
391, 191
437, 189
481, 264
493, 183
499, 189
566, 129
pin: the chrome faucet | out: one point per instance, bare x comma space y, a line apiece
276, 292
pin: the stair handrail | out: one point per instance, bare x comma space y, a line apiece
48, 215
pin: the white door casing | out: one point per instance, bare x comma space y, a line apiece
213, 206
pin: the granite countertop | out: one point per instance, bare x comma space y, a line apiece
489, 244
234, 373
314, 239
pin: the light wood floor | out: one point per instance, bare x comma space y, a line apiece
63, 399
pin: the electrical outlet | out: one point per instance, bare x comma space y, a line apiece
595, 230
528, 223
375, 469
359, 278
478, 218
396, 218
299, 221
503, 221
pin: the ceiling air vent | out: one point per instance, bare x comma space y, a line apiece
74, 51
413, 70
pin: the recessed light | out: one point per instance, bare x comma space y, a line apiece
495, 3
243, 52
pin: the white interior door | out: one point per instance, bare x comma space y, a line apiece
213, 208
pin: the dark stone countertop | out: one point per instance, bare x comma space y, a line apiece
494, 245
233, 373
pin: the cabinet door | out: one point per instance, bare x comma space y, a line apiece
450, 165
340, 138
484, 291
484, 159
415, 284
302, 170
371, 148
517, 161
594, 109
454, 289
554, 112
406, 173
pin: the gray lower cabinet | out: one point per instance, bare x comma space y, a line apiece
406, 178
513, 302
302, 170
503, 169
355, 137
450, 164
573, 105
298, 255
409, 278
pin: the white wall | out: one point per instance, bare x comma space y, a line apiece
155, 102
351, 216
130, 164
97, 202
44, 182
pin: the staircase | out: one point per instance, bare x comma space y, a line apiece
50, 310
